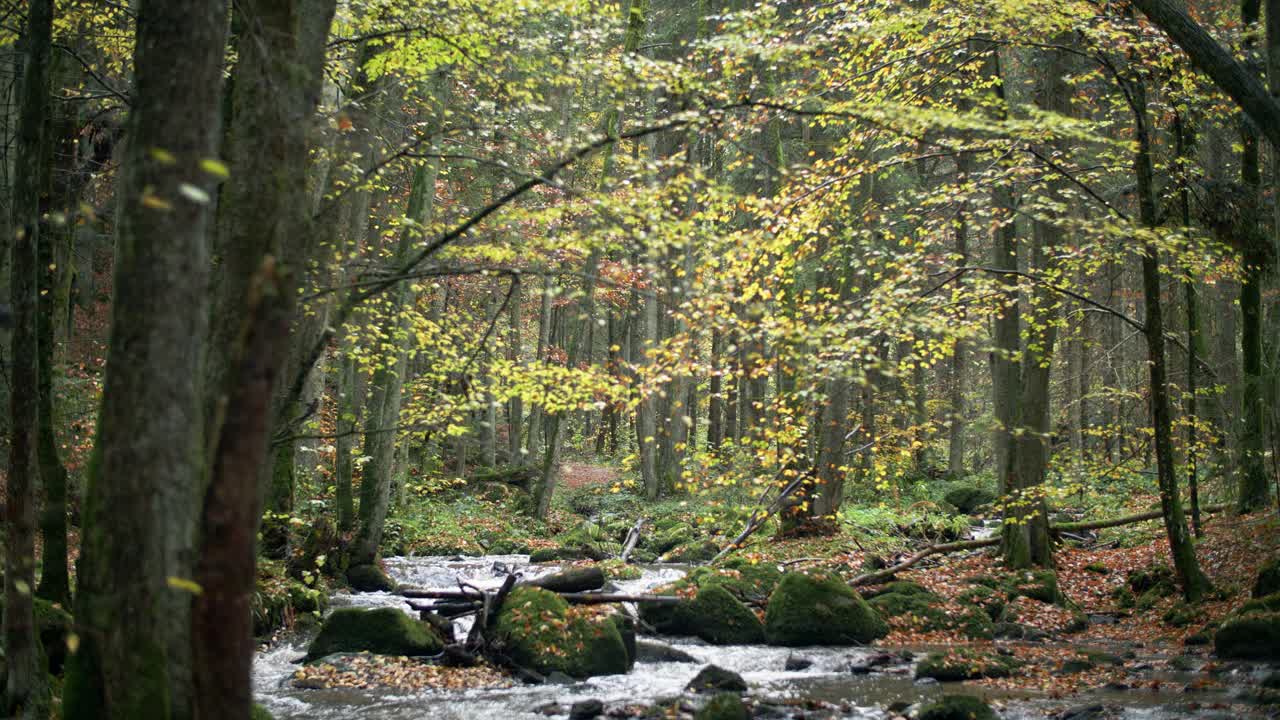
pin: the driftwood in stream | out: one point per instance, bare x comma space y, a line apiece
490, 604
879, 576
633, 537
575, 598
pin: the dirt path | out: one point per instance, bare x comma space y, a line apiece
575, 475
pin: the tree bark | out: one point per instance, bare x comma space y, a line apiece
133, 606
26, 689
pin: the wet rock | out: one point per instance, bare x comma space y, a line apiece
725, 706
1272, 681
536, 627
871, 663
549, 709
714, 615
796, 664
1268, 582
369, 578
556, 554
957, 707
819, 610
1250, 636
555, 677
586, 709
965, 664
1018, 631
382, 631
714, 678
651, 651
1084, 712
578, 579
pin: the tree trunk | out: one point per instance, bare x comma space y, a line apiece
133, 602
1194, 584
26, 689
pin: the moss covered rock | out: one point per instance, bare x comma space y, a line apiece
819, 610
1039, 585
714, 615
1157, 579
747, 581
695, 552
968, 498
1269, 603
957, 707
981, 596
541, 632
257, 712
1249, 636
725, 706
381, 631
1268, 582
965, 664
369, 578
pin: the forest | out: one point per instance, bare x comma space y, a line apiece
661, 359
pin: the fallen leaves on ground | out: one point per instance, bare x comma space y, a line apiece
368, 672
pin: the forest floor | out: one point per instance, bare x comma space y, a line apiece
577, 475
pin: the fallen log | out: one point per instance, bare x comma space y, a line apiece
879, 576
1125, 520
633, 537
576, 598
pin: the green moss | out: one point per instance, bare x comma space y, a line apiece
725, 706
260, 713
381, 631
695, 552
1181, 615
1269, 603
1039, 585
1251, 636
968, 498
965, 664
1268, 582
1097, 568
1157, 579
721, 619
983, 597
370, 578
819, 610
956, 707
541, 632
976, 623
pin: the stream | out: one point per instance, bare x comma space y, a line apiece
827, 683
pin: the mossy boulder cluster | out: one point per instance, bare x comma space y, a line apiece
965, 664
922, 610
369, 578
539, 631
381, 631
819, 610
956, 707
717, 612
1253, 631
279, 599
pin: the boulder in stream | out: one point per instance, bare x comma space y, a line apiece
819, 610
965, 664
381, 631
957, 707
968, 498
714, 678
651, 651
369, 578
540, 631
714, 615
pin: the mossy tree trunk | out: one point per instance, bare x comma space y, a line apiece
26, 689
133, 605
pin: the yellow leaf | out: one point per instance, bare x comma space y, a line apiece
185, 585
215, 168
162, 156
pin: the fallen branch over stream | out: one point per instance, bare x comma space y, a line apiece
879, 576
576, 598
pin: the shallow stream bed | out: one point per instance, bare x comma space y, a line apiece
826, 688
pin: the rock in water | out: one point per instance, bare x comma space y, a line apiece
657, 652
819, 610
714, 678
725, 706
586, 709
382, 631
957, 707
541, 632
369, 578
796, 664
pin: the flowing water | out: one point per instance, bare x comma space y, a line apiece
827, 683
